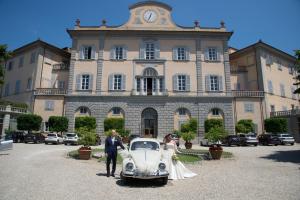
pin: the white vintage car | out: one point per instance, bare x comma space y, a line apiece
144, 160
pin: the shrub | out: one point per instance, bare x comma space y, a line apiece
215, 134
13, 104
29, 122
212, 123
88, 122
276, 125
107, 133
124, 133
244, 126
114, 123
87, 137
191, 125
178, 133
58, 123
188, 136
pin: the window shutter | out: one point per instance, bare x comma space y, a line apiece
125, 52
142, 50
51, 105
220, 79
207, 83
218, 54
157, 50
206, 54
187, 53
110, 82
175, 57
81, 52
113, 53
270, 85
91, 82
93, 56
123, 82
78, 77
175, 85
188, 83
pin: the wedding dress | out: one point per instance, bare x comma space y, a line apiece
176, 169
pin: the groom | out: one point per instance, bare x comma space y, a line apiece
111, 152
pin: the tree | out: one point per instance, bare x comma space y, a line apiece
297, 67
4, 55
276, 125
190, 126
244, 126
58, 123
29, 122
87, 122
212, 123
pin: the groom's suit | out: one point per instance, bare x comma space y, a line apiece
111, 150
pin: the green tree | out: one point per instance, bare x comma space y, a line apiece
114, 123
29, 122
87, 122
58, 123
244, 126
212, 123
190, 126
276, 125
297, 68
4, 55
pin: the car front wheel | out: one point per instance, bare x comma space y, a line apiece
123, 179
292, 144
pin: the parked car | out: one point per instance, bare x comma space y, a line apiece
6, 144
206, 143
53, 138
71, 138
34, 137
267, 139
18, 136
250, 139
235, 140
286, 138
175, 138
144, 161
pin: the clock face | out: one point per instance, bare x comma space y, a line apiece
150, 16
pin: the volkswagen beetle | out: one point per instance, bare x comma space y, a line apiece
145, 160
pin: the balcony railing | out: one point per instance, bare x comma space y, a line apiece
247, 93
285, 113
50, 91
9, 109
61, 66
150, 93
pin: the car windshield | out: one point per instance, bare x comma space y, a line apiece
71, 135
51, 135
140, 145
286, 135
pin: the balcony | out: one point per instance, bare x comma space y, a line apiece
247, 93
150, 93
50, 91
9, 109
61, 66
286, 113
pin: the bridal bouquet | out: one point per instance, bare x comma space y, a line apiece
175, 157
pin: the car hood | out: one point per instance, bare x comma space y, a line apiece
146, 160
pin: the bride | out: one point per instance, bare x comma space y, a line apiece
176, 169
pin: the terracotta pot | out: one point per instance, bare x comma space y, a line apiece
216, 152
188, 145
85, 153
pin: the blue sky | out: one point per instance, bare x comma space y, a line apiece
276, 22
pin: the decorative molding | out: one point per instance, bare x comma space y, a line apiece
199, 67
100, 64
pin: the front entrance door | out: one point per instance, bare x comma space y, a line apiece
149, 123
149, 86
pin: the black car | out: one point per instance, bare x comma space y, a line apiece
267, 139
234, 140
34, 138
18, 136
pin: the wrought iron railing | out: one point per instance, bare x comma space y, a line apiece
50, 91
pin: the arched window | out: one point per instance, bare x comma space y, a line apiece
150, 72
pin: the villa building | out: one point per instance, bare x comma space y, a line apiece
154, 73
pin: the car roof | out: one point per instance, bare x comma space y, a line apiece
145, 140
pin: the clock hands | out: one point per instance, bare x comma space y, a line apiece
150, 16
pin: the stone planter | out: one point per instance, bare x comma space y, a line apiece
215, 152
188, 145
85, 153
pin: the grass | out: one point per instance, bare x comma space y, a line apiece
225, 154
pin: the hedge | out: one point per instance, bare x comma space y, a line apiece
244, 126
87, 122
58, 123
190, 126
114, 123
276, 125
29, 122
212, 123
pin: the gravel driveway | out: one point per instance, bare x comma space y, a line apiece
38, 171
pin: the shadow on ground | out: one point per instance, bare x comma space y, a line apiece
285, 156
140, 183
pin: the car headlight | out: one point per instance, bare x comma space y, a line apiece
129, 166
162, 166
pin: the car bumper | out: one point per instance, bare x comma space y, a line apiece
51, 140
144, 176
71, 141
288, 141
252, 142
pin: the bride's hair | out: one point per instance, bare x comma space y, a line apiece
167, 137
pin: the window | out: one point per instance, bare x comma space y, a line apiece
150, 51
161, 84
279, 65
6, 90
215, 112
87, 52
249, 107
291, 69
85, 81
181, 53
211, 54
18, 85
182, 111
284, 108
10, 65
32, 57
117, 82
292, 91
270, 86
29, 83
272, 108
214, 83
21, 61
138, 84
49, 105
61, 84
238, 86
282, 92
269, 60
181, 82
83, 110
116, 111
119, 53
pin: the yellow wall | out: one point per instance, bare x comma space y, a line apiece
39, 106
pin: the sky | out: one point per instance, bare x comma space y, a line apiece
276, 22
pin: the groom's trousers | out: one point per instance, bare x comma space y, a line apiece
110, 158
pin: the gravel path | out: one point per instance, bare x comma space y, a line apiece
38, 171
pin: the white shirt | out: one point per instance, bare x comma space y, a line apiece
113, 140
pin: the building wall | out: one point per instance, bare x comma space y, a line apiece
39, 106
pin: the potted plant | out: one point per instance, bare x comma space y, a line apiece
188, 137
215, 135
87, 138
124, 133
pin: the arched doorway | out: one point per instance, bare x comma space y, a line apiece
149, 123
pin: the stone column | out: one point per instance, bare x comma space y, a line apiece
157, 86
72, 64
6, 120
70, 114
199, 67
142, 87
226, 67
100, 64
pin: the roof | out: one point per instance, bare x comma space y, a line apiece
145, 3
145, 139
264, 45
41, 43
